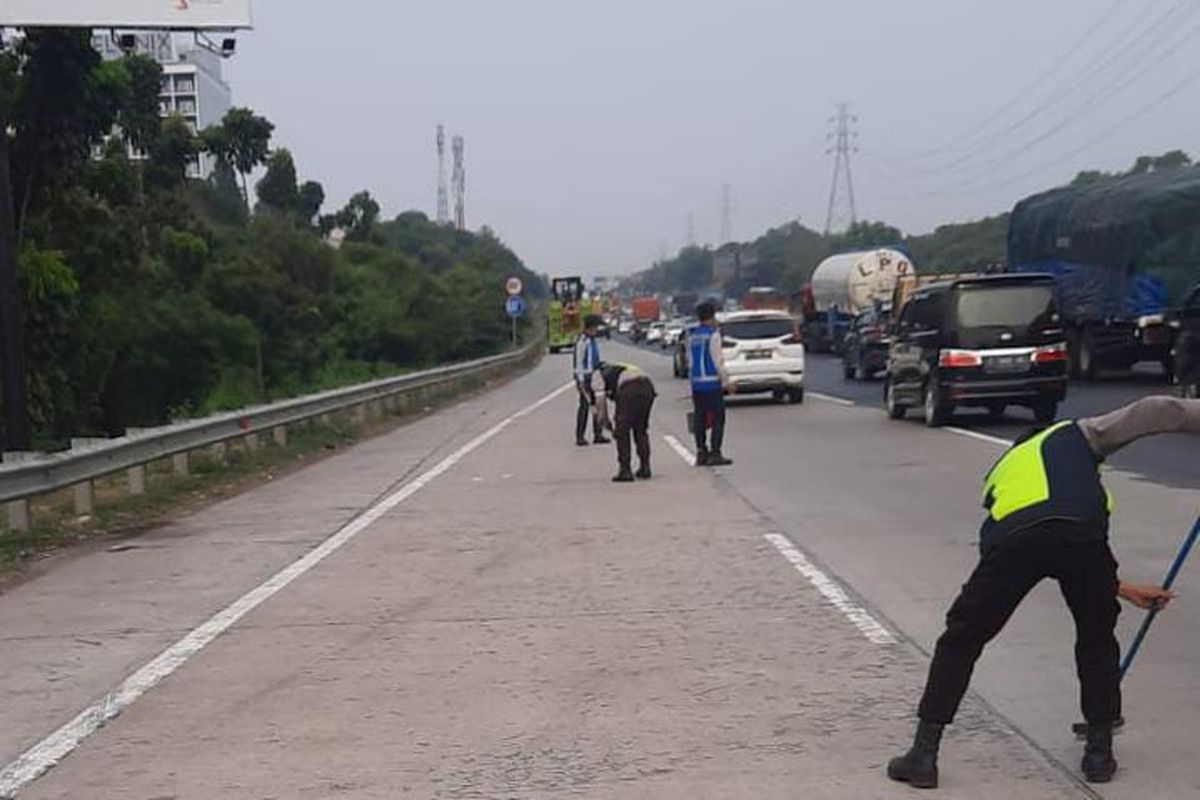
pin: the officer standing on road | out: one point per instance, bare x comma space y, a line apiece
633, 392
1047, 518
586, 362
709, 382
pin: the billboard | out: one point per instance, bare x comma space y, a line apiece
127, 14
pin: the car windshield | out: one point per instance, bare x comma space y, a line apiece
769, 328
1006, 306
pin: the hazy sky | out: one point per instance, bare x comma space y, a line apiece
592, 129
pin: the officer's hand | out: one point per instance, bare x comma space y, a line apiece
1144, 596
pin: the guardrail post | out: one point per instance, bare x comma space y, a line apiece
251, 440
279, 434
18, 510
18, 515
85, 498
180, 464
218, 452
137, 479
358, 414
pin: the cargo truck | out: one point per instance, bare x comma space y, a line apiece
1098, 240
845, 285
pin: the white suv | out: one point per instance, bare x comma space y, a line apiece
763, 353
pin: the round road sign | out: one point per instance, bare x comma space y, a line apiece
513, 285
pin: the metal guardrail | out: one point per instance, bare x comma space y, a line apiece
32, 474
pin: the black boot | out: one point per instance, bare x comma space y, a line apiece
643, 472
918, 767
624, 476
1098, 763
715, 459
702, 458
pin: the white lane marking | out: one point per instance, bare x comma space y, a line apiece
983, 437
31, 764
688, 457
833, 592
828, 398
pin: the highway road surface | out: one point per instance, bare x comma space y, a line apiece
468, 608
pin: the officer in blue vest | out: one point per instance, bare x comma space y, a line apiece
709, 384
1047, 517
585, 366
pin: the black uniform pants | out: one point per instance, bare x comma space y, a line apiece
587, 400
635, 398
1082, 563
708, 406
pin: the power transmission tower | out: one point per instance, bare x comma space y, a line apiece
691, 229
443, 196
459, 179
842, 136
726, 214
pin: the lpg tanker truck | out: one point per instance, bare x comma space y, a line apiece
843, 286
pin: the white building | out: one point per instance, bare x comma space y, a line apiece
192, 84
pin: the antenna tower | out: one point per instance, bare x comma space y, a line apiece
443, 195
726, 214
459, 179
842, 137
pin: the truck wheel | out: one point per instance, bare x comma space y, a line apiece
894, 410
1087, 356
935, 411
1045, 411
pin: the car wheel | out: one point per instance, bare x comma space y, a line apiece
935, 412
894, 410
796, 396
779, 395
1045, 411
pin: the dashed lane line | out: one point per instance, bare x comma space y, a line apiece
35, 761
982, 437
829, 398
867, 625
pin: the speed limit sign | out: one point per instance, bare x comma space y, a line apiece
513, 286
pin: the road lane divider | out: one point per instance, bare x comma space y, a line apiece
982, 437
688, 457
829, 398
867, 625
39, 758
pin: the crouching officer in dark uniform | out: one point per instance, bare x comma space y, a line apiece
1047, 518
633, 392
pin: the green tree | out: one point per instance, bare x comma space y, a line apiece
359, 216
171, 152
243, 140
277, 190
310, 198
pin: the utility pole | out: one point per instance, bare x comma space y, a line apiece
459, 178
842, 137
443, 197
726, 214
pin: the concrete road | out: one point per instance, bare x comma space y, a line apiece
893, 508
487, 616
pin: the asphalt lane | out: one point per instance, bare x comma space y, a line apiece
1166, 460
893, 508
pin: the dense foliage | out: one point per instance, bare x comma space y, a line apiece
149, 295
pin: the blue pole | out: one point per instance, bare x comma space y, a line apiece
1176, 565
